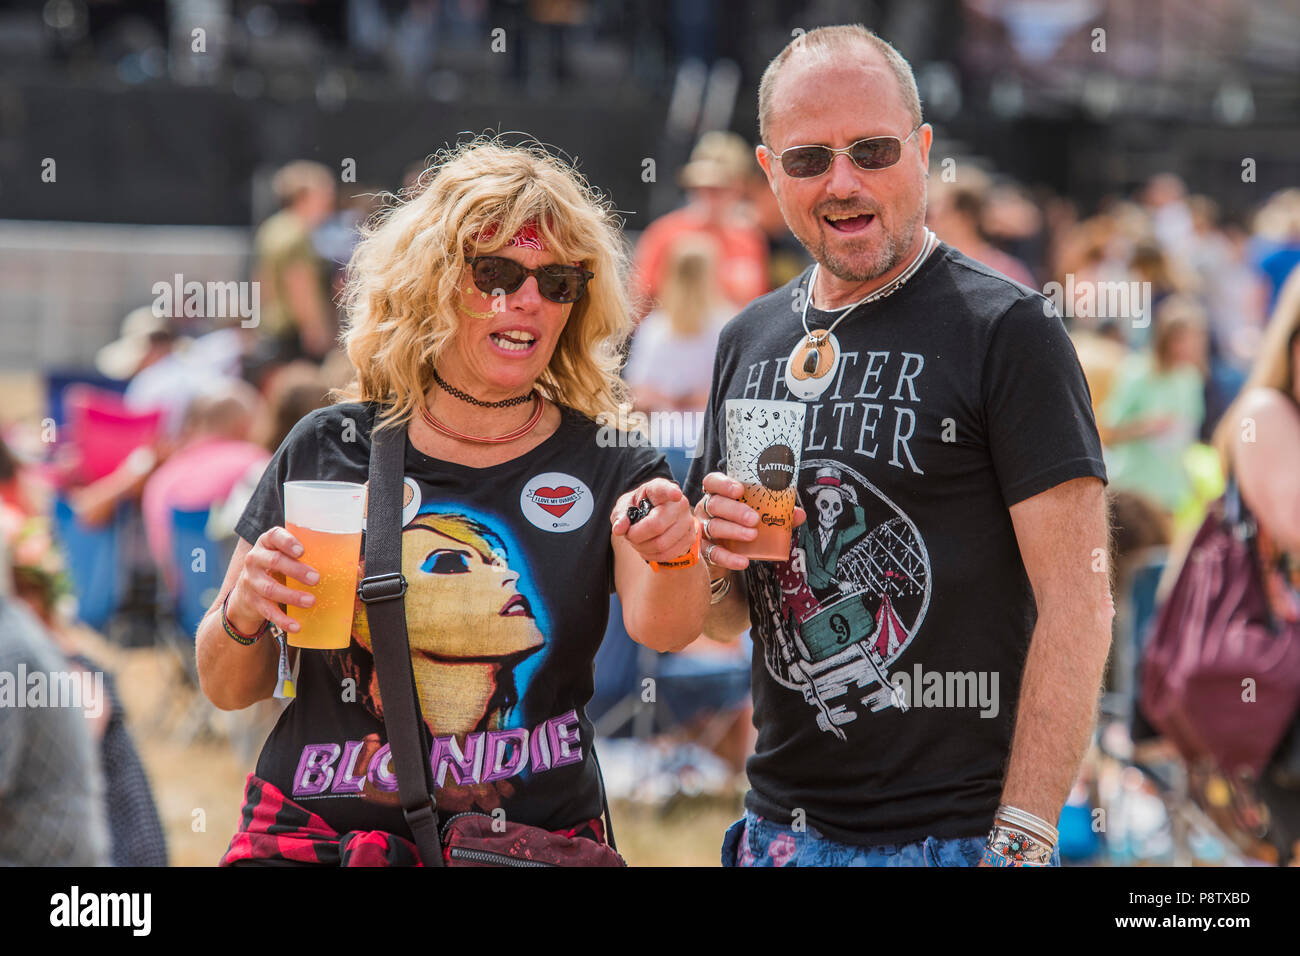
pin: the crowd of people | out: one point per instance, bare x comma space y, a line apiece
1185, 319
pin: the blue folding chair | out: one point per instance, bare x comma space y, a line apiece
95, 562
199, 564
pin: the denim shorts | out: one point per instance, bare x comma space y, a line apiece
754, 841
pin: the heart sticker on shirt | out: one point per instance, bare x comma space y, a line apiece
557, 502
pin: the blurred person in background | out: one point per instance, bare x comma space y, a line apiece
1276, 250
215, 452
15, 491
1164, 199
1154, 410
1259, 442
292, 392
671, 360
1164, 275
956, 214
40, 582
51, 784
297, 314
1014, 224
716, 180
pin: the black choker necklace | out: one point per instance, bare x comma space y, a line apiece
457, 393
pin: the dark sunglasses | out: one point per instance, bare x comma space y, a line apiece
497, 274
877, 152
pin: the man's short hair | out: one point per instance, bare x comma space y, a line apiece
827, 40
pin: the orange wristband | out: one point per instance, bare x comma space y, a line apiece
687, 559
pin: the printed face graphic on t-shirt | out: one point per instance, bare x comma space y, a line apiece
468, 624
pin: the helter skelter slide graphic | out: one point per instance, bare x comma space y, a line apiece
853, 595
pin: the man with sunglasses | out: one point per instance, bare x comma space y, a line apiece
926, 698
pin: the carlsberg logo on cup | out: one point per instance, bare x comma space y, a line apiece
764, 441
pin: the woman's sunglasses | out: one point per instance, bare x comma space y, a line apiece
877, 152
497, 274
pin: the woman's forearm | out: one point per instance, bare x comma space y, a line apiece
664, 610
231, 675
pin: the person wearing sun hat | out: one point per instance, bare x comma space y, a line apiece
715, 180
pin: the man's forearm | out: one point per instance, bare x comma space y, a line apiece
1057, 709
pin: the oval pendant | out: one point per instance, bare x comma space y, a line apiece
812, 365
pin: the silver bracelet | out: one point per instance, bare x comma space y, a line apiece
1017, 847
718, 589
1037, 826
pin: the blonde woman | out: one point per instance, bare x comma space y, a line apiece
670, 366
485, 311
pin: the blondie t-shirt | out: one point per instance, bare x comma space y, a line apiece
888, 649
509, 569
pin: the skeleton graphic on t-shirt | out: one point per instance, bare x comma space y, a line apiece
852, 596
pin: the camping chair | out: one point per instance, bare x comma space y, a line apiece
95, 564
198, 566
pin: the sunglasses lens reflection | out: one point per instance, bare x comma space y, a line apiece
804, 161
876, 153
493, 274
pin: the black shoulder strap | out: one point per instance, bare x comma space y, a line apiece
383, 590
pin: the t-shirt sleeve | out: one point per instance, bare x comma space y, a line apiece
297, 458
1037, 408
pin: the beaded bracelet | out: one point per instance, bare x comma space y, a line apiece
237, 635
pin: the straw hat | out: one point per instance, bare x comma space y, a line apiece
121, 358
719, 159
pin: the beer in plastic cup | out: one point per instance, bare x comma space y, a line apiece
325, 517
764, 441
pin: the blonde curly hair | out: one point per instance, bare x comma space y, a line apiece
406, 273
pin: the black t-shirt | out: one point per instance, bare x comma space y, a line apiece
955, 398
509, 572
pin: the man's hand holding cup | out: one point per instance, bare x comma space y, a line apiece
725, 518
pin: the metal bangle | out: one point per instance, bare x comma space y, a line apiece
1028, 821
1018, 847
718, 589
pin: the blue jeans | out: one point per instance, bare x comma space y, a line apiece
755, 841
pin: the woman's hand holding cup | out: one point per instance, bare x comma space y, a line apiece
260, 587
725, 517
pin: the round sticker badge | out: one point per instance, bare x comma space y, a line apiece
554, 501
410, 501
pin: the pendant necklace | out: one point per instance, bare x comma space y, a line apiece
812, 364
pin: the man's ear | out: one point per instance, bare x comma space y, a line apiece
765, 160
924, 139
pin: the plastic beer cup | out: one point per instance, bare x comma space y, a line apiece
325, 517
764, 442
